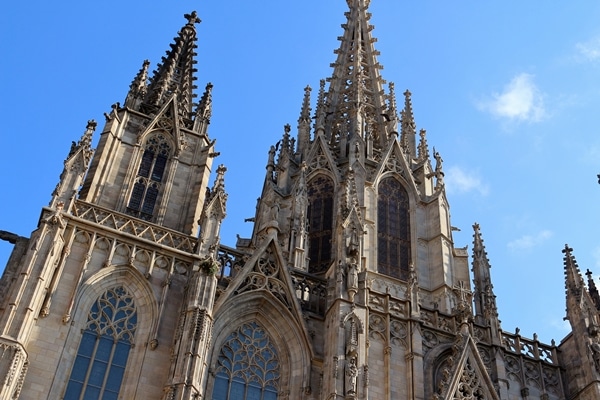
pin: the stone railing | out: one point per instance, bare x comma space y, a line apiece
529, 348
135, 227
311, 291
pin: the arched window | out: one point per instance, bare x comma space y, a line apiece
149, 177
320, 220
248, 366
104, 348
393, 229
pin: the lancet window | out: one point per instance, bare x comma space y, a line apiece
320, 220
149, 179
248, 366
393, 229
104, 348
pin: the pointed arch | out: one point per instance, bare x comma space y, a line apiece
320, 189
116, 284
150, 177
247, 366
393, 228
269, 319
104, 347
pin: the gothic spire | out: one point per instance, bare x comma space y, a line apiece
485, 299
573, 280
138, 87
423, 148
392, 115
175, 74
75, 167
304, 123
356, 101
321, 111
409, 130
204, 110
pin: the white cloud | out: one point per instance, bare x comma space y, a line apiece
460, 181
521, 100
590, 50
527, 242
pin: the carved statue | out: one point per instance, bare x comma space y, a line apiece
352, 278
351, 376
353, 246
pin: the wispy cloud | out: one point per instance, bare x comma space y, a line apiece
521, 100
590, 50
459, 180
527, 242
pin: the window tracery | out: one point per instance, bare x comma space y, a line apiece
469, 386
248, 366
393, 229
320, 219
149, 179
104, 348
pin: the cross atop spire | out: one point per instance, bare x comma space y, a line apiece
192, 18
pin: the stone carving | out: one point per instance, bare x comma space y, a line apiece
399, 333
376, 302
352, 280
377, 327
532, 374
351, 377
430, 339
469, 386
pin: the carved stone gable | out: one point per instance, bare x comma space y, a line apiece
319, 157
463, 374
266, 275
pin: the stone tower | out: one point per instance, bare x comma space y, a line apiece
110, 296
350, 286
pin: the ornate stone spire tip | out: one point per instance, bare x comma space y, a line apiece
91, 124
192, 18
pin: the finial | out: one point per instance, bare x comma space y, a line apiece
91, 125
305, 112
192, 18
423, 148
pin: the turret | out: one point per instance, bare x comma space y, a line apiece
75, 167
154, 157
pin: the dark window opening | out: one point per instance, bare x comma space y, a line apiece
320, 220
393, 229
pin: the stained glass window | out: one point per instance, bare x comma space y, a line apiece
149, 177
248, 366
104, 348
393, 229
320, 220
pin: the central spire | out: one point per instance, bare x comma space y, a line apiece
175, 74
356, 102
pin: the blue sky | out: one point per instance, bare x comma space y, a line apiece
507, 91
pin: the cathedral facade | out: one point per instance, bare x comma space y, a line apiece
350, 286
